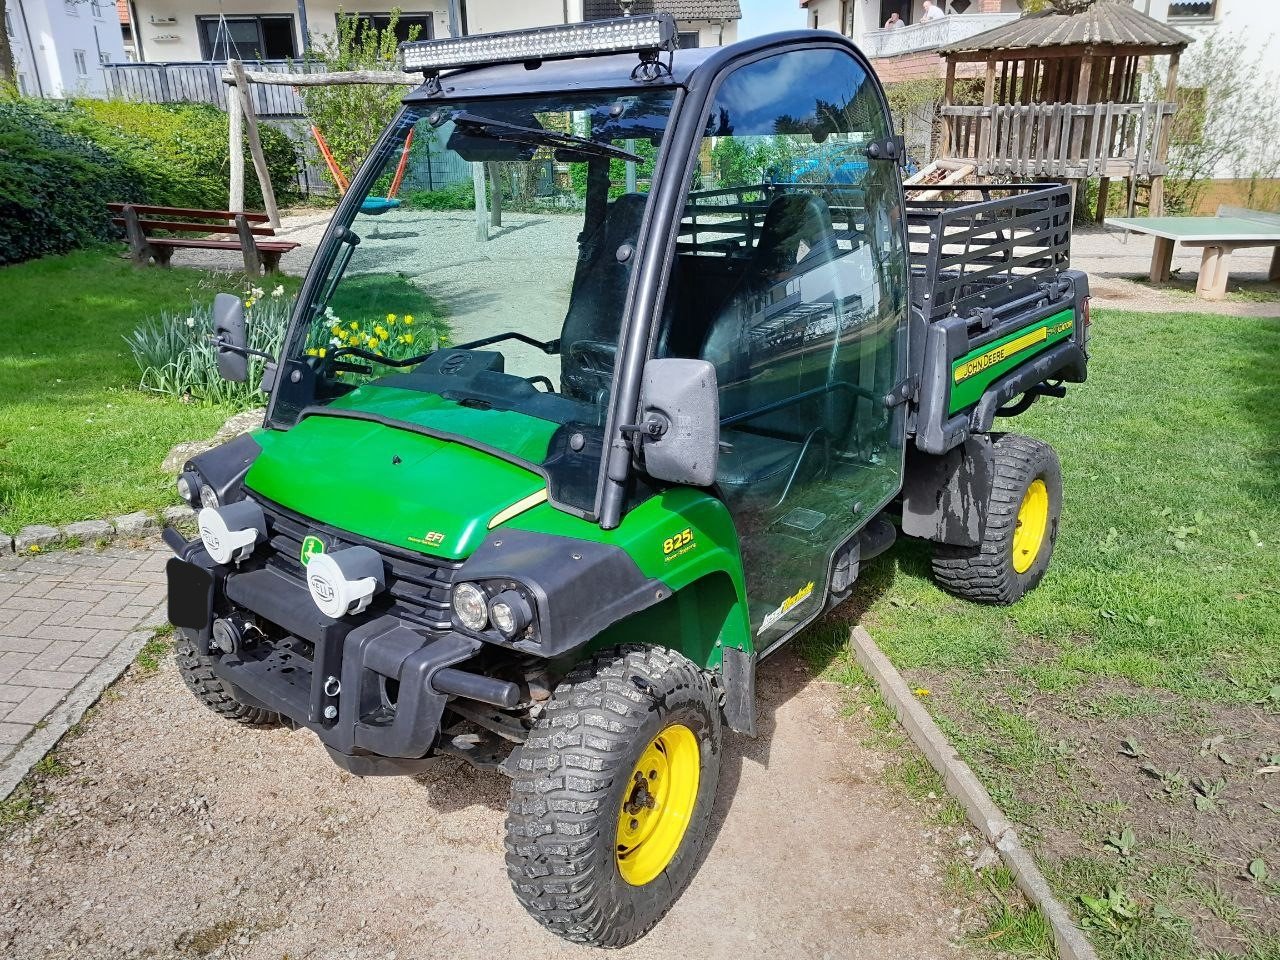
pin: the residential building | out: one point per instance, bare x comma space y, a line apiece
61, 46
180, 31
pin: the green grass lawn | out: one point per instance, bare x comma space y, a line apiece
78, 440
1123, 711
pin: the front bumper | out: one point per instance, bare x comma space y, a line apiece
373, 691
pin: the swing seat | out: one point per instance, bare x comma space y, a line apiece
377, 205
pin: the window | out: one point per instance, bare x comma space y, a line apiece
82, 62
71, 8
1205, 10
247, 38
8, 23
95, 8
689, 40
22, 85
790, 279
405, 23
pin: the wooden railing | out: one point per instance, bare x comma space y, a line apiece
202, 83
1060, 139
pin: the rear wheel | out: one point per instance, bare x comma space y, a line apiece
197, 674
611, 800
1020, 530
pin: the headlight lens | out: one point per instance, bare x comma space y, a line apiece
510, 613
208, 496
470, 607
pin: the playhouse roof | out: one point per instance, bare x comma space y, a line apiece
1093, 23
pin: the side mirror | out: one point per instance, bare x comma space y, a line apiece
680, 421
230, 338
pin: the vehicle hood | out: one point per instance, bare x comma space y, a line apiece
383, 481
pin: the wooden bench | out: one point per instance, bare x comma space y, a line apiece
1232, 229
139, 222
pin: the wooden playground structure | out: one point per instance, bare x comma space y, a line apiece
1062, 99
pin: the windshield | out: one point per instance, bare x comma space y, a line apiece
477, 288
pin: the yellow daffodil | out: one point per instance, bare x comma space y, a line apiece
354, 325
381, 331
373, 343
408, 319
406, 337
337, 331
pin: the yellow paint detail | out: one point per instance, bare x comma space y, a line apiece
1000, 353
519, 507
1033, 522
661, 796
432, 539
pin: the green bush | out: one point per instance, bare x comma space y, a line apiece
177, 359
53, 186
61, 162
456, 196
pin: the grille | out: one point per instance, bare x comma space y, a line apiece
419, 588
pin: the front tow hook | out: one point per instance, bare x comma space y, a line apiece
472, 686
180, 545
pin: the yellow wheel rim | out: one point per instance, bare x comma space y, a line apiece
1033, 521
658, 804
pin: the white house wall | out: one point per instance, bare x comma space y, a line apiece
47, 37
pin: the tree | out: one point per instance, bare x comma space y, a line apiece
1227, 124
351, 117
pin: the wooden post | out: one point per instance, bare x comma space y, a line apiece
1077, 120
985, 123
495, 194
482, 215
1161, 260
1104, 186
948, 99
1155, 203
249, 246
138, 246
255, 142
235, 142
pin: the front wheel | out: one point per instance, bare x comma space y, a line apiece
1020, 529
612, 796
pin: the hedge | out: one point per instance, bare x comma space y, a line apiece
61, 161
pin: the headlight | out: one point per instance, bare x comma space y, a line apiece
189, 488
344, 581
230, 533
208, 496
510, 613
470, 606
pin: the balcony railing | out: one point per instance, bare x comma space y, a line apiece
931, 35
1060, 139
199, 82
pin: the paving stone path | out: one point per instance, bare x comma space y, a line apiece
70, 622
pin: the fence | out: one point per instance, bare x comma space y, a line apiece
202, 83
1060, 139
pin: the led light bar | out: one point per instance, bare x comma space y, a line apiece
651, 32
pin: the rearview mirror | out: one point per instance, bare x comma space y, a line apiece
230, 339
680, 420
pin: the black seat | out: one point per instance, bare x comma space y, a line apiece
757, 368
593, 322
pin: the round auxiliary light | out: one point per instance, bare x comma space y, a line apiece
510, 613
470, 607
230, 533
344, 581
189, 487
208, 496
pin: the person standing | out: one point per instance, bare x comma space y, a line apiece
932, 12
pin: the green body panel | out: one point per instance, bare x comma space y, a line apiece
978, 369
437, 499
707, 609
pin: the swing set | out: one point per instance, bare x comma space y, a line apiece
370, 205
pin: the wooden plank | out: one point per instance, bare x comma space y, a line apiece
180, 227
948, 93
235, 144
376, 77
138, 246
189, 212
252, 261
1161, 260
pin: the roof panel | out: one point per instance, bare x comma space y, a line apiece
1100, 23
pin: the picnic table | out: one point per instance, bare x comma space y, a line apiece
1232, 229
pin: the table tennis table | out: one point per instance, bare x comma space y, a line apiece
1219, 236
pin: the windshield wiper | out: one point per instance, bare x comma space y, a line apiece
514, 133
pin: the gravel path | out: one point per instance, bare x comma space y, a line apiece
177, 834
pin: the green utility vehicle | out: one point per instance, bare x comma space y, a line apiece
540, 487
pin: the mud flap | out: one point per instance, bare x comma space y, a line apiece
738, 678
944, 496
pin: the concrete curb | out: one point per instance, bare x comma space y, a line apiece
34, 538
964, 785
84, 695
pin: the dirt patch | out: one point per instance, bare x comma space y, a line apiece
1246, 299
1169, 801
172, 833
